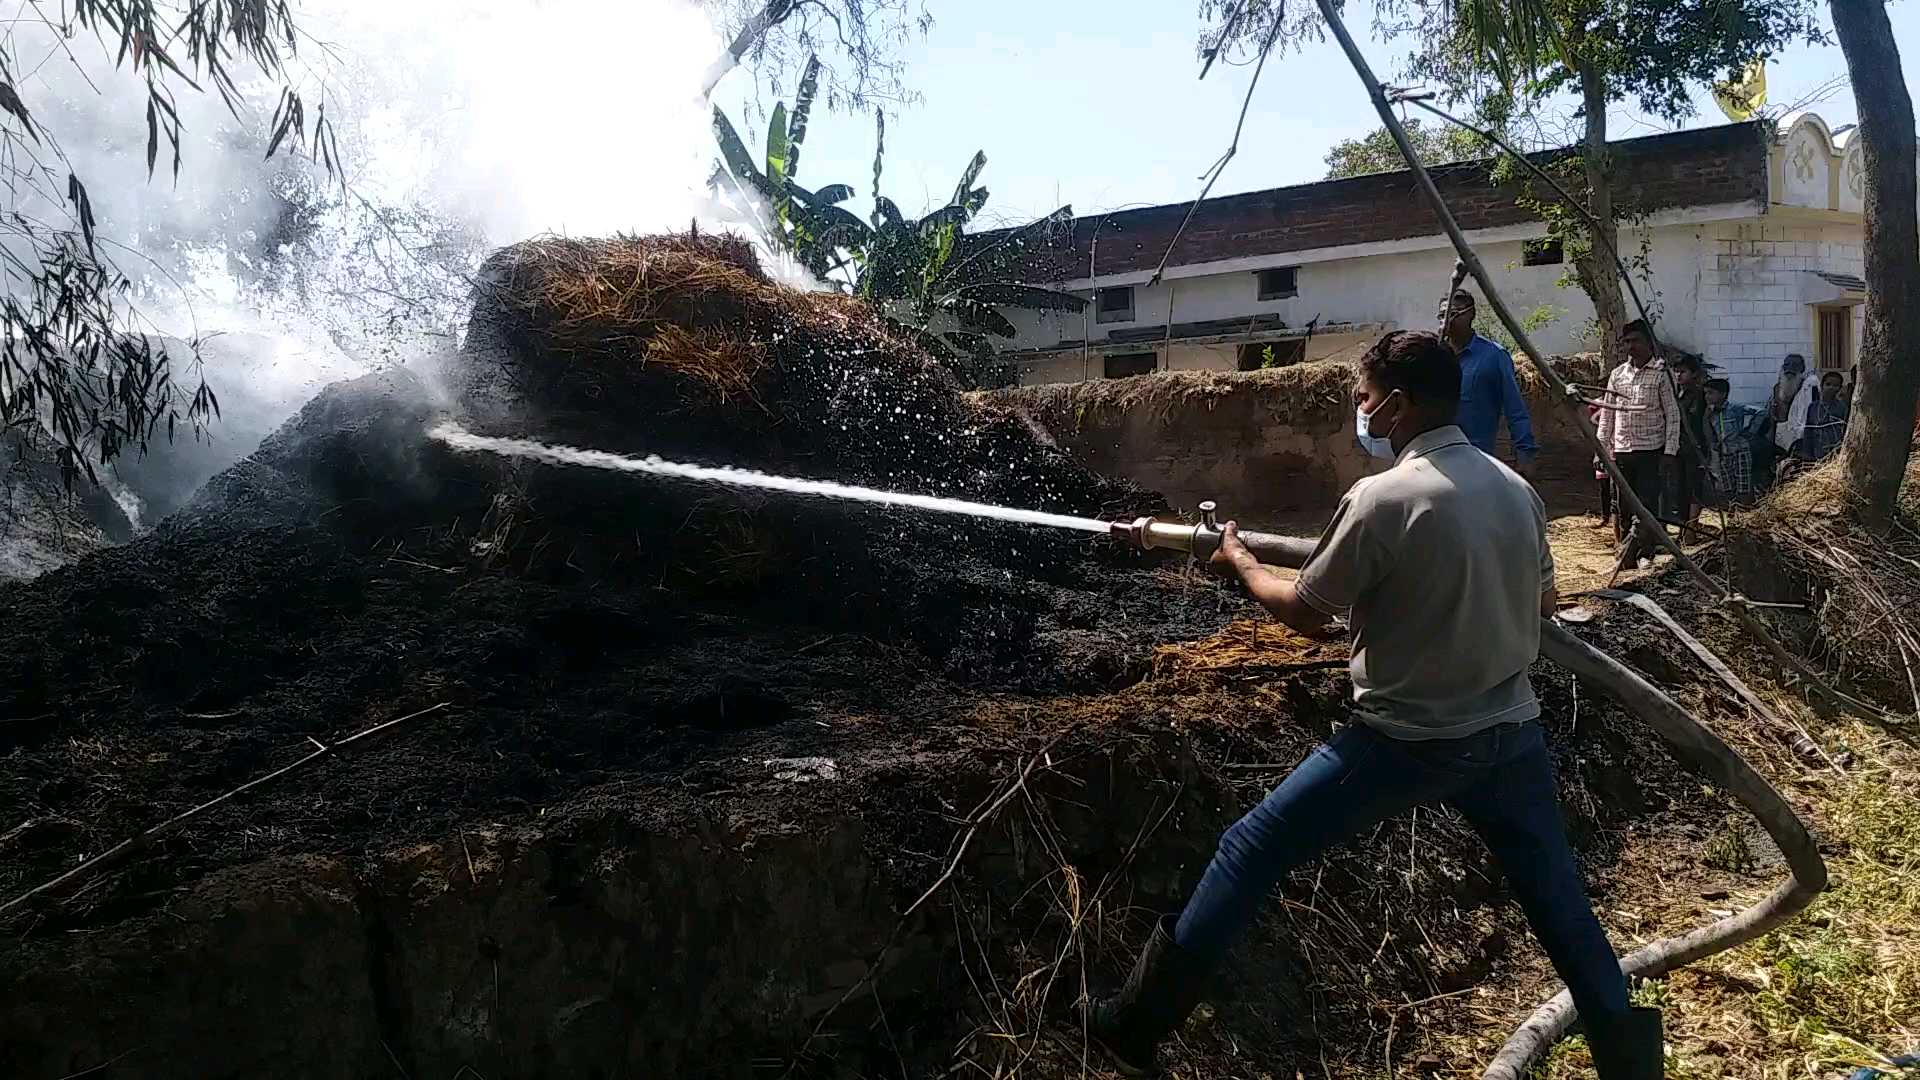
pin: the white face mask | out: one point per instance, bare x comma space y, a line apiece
1380, 446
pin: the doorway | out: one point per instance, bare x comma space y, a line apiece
1835, 343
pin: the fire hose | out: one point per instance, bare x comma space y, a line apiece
1690, 742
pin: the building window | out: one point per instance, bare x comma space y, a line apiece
1256, 355
1836, 338
1123, 365
1114, 305
1280, 283
1547, 252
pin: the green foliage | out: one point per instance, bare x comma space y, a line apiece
927, 276
1487, 325
1376, 152
72, 358
1729, 850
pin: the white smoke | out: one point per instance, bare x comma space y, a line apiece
462, 125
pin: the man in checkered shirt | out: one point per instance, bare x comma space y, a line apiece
1641, 430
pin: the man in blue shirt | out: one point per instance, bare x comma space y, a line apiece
1488, 388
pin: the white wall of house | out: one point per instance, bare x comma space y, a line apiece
1762, 300
1740, 283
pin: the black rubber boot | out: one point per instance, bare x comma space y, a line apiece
1630, 1046
1157, 997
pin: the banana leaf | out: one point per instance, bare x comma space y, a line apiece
939, 349
1011, 294
944, 218
885, 211
777, 161
802, 109
1008, 245
967, 178
980, 317
734, 153
971, 344
825, 221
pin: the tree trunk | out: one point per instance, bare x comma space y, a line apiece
767, 18
1880, 431
1598, 273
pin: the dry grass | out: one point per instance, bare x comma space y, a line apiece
1247, 649
1322, 388
697, 305
1320, 392
1864, 585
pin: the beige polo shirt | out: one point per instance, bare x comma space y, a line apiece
1439, 564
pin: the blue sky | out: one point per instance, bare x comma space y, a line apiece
1096, 103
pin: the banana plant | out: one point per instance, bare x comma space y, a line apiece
928, 277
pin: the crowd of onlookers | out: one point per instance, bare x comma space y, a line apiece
1682, 445
1677, 439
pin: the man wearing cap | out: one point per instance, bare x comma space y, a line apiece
1488, 388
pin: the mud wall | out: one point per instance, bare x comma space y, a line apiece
1261, 443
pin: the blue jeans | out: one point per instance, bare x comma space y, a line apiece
1501, 781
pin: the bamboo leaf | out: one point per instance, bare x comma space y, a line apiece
153, 137
10, 101
82, 208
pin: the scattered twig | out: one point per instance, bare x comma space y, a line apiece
975, 821
125, 848
1913, 686
397, 1067
114, 1060
1220, 166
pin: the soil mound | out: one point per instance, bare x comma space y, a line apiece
725, 786
588, 625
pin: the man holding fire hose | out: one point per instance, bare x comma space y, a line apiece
1441, 566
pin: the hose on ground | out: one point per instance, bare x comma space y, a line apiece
1712, 758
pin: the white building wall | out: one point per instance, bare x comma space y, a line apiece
1401, 290
1755, 308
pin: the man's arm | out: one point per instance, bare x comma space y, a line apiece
1275, 593
1549, 591
1519, 421
1670, 410
1606, 414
